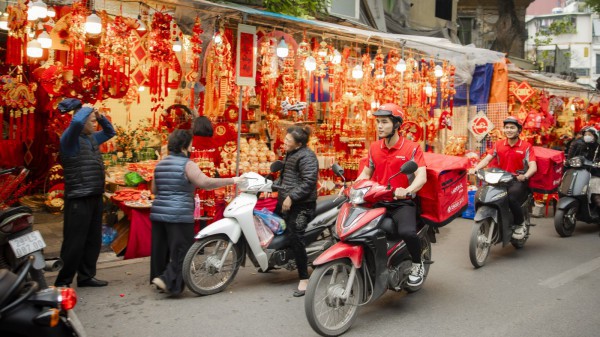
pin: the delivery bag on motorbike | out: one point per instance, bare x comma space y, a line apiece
444, 197
549, 170
275, 223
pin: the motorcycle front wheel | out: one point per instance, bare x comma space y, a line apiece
481, 242
209, 267
327, 309
564, 221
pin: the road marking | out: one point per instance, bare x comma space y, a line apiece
571, 274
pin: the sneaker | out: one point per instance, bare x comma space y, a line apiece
159, 284
519, 232
415, 278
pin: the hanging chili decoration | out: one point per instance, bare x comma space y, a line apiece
160, 49
76, 59
17, 34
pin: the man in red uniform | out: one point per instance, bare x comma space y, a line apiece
511, 154
386, 156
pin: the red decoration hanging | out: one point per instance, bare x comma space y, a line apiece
17, 36
76, 59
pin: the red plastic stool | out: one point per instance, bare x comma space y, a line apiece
549, 198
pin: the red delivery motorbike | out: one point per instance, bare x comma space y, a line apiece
369, 259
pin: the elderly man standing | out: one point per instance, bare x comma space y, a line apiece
84, 187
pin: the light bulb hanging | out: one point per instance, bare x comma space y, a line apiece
310, 63
45, 40
51, 12
39, 9
93, 24
34, 49
3, 22
428, 89
31, 13
337, 57
177, 45
401, 66
357, 72
142, 27
282, 49
438, 71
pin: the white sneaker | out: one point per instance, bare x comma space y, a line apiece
159, 284
519, 232
415, 278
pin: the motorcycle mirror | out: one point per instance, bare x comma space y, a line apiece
409, 167
276, 166
337, 169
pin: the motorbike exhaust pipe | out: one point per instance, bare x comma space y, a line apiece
53, 265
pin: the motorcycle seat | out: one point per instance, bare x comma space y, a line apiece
328, 202
14, 210
7, 279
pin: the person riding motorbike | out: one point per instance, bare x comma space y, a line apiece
386, 156
588, 147
512, 154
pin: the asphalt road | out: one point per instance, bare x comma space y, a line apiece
548, 288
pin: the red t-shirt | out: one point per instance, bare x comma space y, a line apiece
511, 158
385, 162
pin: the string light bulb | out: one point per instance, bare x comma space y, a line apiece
310, 63
45, 40
438, 71
51, 12
282, 49
428, 89
39, 9
218, 38
337, 57
93, 24
401, 66
357, 72
177, 45
4, 22
141, 88
34, 49
142, 27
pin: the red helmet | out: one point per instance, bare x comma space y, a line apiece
512, 120
390, 110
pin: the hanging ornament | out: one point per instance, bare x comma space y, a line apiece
17, 34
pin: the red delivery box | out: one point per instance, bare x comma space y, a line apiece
549, 170
444, 197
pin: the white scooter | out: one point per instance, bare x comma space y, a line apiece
220, 249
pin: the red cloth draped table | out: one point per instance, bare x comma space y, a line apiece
140, 234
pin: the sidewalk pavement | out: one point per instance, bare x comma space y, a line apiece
51, 227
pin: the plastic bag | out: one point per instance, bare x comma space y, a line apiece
108, 235
133, 179
274, 222
265, 236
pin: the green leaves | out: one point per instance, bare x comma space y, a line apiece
298, 8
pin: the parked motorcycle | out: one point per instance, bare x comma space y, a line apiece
369, 259
25, 310
493, 219
575, 197
18, 241
212, 262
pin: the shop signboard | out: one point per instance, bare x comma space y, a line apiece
245, 63
480, 126
523, 92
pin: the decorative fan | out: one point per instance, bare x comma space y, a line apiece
176, 116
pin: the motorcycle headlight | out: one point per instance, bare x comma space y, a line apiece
357, 196
575, 162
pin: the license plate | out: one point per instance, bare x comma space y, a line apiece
27, 244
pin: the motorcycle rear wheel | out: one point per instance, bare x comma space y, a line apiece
327, 313
564, 221
479, 247
200, 266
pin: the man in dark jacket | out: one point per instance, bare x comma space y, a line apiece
84, 185
297, 201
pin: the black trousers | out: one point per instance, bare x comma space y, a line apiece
296, 220
82, 239
170, 244
517, 194
405, 218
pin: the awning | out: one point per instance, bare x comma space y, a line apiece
553, 85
